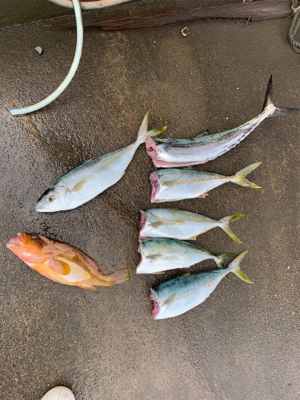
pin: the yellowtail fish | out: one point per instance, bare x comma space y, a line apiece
63, 263
179, 295
86, 181
169, 153
177, 224
175, 184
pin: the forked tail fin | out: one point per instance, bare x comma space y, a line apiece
144, 133
239, 177
269, 102
234, 267
225, 225
223, 258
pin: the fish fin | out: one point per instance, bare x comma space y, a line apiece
78, 187
61, 267
144, 133
202, 196
184, 276
239, 177
169, 301
193, 237
269, 102
154, 257
156, 224
89, 287
157, 273
227, 277
205, 133
223, 258
234, 267
119, 277
170, 184
225, 225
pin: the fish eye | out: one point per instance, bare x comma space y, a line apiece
51, 198
34, 236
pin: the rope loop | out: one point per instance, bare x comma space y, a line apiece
295, 26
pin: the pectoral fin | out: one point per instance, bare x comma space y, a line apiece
61, 267
154, 257
89, 287
193, 237
79, 186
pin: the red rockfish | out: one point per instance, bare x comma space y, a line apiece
63, 263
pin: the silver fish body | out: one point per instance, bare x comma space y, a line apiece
168, 153
179, 295
177, 224
88, 180
183, 183
158, 255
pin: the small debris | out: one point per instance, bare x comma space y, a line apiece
185, 31
39, 50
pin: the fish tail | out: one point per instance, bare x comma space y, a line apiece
144, 133
119, 277
222, 258
234, 267
225, 225
269, 103
239, 177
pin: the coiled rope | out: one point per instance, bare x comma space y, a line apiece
295, 26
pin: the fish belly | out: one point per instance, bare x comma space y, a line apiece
166, 262
187, 190
176, 230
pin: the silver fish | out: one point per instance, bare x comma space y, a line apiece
168, 153
184, 183
180, 295
159, 255
86, 181
177, 224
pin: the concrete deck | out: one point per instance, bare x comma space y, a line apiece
240, 344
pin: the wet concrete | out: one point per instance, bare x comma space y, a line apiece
243, 342
20, 11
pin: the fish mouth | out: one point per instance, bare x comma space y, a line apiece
151, 148
15, 241
156, 307
154, 179
39, 208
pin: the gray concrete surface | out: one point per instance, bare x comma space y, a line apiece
243, 342
20, 11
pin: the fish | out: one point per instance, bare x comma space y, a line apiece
63, 263
176, 184
158, 255
169, 153
88, 180
177, 224
179, 295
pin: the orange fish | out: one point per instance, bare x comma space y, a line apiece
63, 263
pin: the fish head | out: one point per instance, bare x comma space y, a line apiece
54, 199
28, 247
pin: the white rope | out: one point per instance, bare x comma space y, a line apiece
69, 77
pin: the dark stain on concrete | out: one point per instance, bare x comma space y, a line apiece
243, 342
